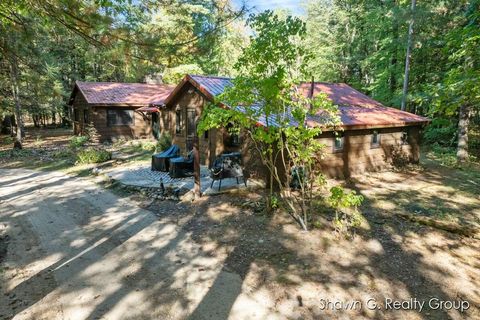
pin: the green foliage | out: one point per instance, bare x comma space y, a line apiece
148, 146
57, 43
78, 141
176, 74
62, 154
93, 155
347, 216
274, 202
265, 92
441, 131
164, 142
445, 155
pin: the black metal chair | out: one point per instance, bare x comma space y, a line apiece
227, 165
161, 161
181, 167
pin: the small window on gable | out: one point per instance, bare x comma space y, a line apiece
375, 139
205, 135
338, 142
404, 138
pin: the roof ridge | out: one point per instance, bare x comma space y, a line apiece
127, 83
210, 76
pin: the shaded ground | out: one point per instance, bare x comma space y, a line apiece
73, 249
49, 149
86, 253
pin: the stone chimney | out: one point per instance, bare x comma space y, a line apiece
154, 78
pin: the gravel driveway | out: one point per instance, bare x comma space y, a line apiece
76, 251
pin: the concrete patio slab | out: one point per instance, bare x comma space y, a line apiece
140, 175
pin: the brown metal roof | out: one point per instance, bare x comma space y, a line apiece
357, 110
124, 94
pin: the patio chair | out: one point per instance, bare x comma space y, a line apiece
181, 167
161, 161
228, 165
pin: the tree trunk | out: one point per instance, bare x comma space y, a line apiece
463, 122
18, 114
407, 58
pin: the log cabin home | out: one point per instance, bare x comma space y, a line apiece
370, 137
117, 110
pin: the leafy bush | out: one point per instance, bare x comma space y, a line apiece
92, 155
164, 142
78, 141
148, 146
92, 133
442, 132
346, 204
8, 140
62, 154
447, 156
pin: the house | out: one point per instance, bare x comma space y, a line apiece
370, 138
117, 110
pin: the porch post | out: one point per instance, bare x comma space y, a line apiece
196, 167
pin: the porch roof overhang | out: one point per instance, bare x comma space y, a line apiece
148, 109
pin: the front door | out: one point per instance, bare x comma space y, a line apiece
155, 125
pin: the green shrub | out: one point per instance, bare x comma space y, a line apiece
78, 141
148, 146
347, 218
62, 154
8, 140
442, 132
92, 155
164, 142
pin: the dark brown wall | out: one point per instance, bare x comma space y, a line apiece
190, 99
79, 104
359, 156
141, 128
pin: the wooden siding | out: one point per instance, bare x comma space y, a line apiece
141, 127
79, 105
190, 99
357, 155
97, 115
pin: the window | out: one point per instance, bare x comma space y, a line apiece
375, 139
235, 139
232, 138
178, 122
338, 142
404, 138
205, 135
85, 116
120, 118
191, 125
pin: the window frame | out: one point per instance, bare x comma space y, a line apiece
404, 137
377, 144
86, 116
178, 122
341, 136
121, 124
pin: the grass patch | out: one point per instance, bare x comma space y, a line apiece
92, 155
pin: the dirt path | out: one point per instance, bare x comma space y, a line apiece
76, 251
